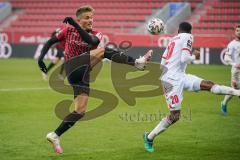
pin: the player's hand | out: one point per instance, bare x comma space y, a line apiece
42, 66
237, 66
70, 20
196, 53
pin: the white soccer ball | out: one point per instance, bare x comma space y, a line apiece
155, 26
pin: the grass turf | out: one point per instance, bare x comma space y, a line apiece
26, 115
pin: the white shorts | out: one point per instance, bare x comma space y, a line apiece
173, 86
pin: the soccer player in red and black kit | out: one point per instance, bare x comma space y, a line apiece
60, 46
82, 41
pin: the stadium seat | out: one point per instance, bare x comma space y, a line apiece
119, 15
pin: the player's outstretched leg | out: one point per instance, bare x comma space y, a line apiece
227, 98
118, 56
161, 127
224, 103
140, 63
218, 89
222, 90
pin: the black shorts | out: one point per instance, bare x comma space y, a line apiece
78, 74
60, 53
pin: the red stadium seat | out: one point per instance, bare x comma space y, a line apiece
119, 15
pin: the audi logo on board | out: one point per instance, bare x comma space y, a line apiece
5, 47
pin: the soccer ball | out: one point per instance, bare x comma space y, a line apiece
155, 26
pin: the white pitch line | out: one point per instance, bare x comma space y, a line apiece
19, 81
23, 89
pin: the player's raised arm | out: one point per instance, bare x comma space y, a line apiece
93, 40
44, 51
187, 56
46, 47
54, 39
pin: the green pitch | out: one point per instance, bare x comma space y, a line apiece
27, 115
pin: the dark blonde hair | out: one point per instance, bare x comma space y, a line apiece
83, 9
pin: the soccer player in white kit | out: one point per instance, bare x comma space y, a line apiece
175, 59
232, 57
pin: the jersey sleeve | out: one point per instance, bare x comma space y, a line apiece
229, 55
187, 44
186, 55
61, 35
230, 49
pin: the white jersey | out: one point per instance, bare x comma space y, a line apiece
233, 51
175, 59
178, 54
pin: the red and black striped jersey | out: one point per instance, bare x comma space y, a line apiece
61, 45
74, 44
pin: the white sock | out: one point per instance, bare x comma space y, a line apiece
226, 99
217, 89
161, 127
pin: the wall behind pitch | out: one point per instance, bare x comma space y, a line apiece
208, 55
29, 45
23, 51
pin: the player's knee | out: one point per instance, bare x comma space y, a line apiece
80, 111
206, 85
80, 107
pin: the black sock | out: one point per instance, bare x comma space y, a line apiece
117, 56
50, 66
68, 122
